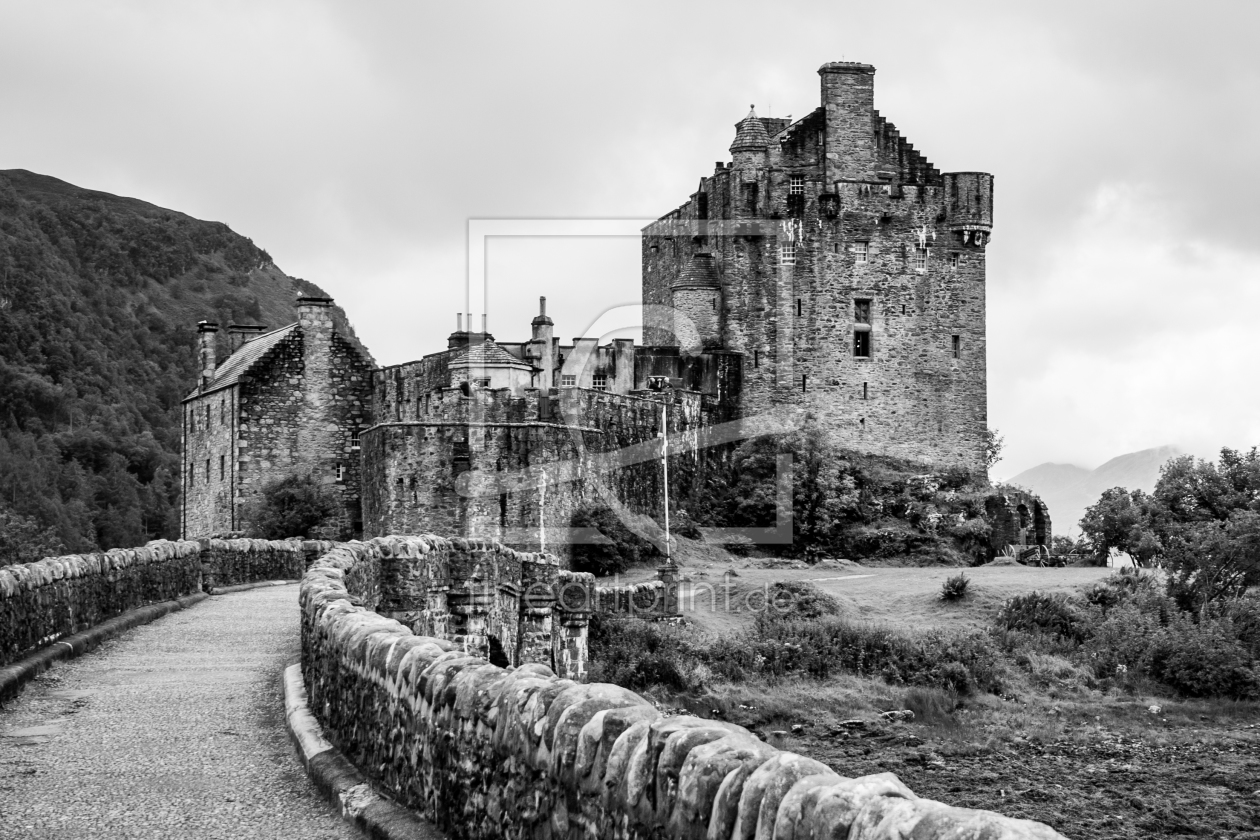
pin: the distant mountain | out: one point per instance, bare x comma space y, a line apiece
99, 297
1068, 489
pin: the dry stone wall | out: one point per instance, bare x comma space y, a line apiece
57, 596
483, 751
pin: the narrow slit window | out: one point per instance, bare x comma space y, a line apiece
862, 328
956, 346
903, 309
756, 358
207, 471
222, 466
864, 391
207, 415
804, 383
799, 308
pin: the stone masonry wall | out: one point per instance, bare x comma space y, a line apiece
487, 752
57, 596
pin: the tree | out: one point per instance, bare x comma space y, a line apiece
993, 443
22, 540
294, 506
1120, 519
1213, 561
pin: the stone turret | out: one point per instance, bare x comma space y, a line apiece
749, 155
207, 332
848, 99
697, 300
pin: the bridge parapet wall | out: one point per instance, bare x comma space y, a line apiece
483, 751
43, 601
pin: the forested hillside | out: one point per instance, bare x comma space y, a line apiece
99, 297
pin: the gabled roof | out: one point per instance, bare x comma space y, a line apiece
239, 363
487, 355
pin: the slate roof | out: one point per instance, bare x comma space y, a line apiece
239, 363
701, 273
487, 354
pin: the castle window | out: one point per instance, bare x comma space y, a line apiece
599, 382
702, 206
864, 391
222, 466
482, 382
714, 302
799, 310
354, 439
340, 472
957, 347
207, 416
861, 252
568, 380
804, 383
787, 253
756, 358
954, 259
796, 196
222, 411
207, 471
918, 260
192, 475
903, 309
862, 328
796, 185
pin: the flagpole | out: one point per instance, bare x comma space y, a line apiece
665, 468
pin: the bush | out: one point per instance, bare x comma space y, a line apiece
1037, 612
1205, 659
788, 600
617, 548
955, 588
294, 506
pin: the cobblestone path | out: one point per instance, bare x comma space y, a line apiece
173, 729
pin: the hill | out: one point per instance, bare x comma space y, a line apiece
99, 297
1068, 489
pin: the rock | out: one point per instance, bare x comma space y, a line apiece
898, 715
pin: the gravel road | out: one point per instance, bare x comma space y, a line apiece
173, 729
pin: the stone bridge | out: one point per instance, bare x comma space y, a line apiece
173, 723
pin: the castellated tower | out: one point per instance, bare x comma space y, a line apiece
846, 271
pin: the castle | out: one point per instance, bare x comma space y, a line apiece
828, 271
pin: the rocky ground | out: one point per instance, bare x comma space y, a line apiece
1090, 784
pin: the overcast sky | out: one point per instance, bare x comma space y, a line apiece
354, 141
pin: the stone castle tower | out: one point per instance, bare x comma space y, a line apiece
845, 269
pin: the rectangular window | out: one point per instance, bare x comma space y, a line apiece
799, 310
864, 392
862, 328
599, 382
354, 438
222, 411
918, 260
750, 198
222, 466
861, 252
957, 346
756, 358
796, 185
804, 383
954, 259
787, 253
482, 382
340, 472
796, 196
192, 475
207, 415
207, 471
568, 380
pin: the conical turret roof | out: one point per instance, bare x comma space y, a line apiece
750, 134
700, 273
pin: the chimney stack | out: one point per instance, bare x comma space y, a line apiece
241, 334
542, 346
207, 331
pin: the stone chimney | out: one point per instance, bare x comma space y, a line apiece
542, 346
241, 334
848, 98
462, 337
207, 331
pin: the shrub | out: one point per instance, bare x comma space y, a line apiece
955, 588
1204, 659
617, 548
294, 506
798, 599
1036, 612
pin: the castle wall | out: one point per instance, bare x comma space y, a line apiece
474, 464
